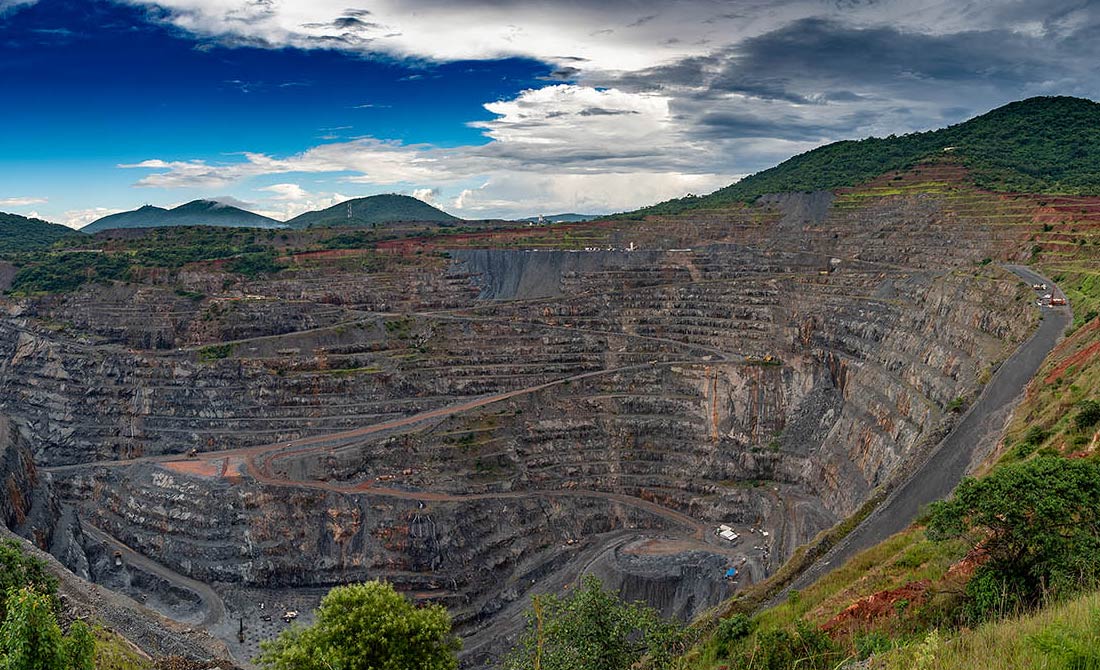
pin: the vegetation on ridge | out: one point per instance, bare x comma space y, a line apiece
20, 234
30, 635
372, 211
1039, 145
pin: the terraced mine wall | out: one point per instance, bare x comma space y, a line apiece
479, 424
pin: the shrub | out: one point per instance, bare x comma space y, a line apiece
19, 570
1088, 414
367, 625
31, 639
873, 642
731, 631
1039, 523
806, 648
593, 629
253, 265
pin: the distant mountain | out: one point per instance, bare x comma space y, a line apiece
195, 213
375, 209
19, 233
561, 218
1038, 145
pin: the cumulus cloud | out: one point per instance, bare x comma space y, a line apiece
599, 149
288, 200
428, 195
78, 218
521, 194
22, 202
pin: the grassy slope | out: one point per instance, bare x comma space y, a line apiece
1062, 637
901, 559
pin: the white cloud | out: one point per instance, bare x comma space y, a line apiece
615, 35
286, 192
22, 202
428, 195
681, 92
78, 218
290, 200
553, 135
372, 161
531, 194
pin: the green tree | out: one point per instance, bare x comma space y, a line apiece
594, 630
31, 639
1039, 522
1088, 415
18, 570
366, 627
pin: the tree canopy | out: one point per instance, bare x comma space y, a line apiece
593, 629
1039, 523
367, 626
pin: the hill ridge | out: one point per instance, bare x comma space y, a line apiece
373, 210
200, 212
1044, 144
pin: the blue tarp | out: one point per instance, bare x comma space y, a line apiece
731, 573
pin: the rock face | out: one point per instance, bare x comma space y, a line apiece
28, 505
484, 423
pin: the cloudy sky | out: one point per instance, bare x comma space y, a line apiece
488, 108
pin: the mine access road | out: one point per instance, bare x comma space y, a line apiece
956, 454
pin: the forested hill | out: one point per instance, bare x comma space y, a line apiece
19, 233
373, 210
1038, 145
195, 213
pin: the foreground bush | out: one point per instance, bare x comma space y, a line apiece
367, 626
592, 629
1039, 524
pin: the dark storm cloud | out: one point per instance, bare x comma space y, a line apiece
818, 79
563, 74
599, 111
350, 23
790, 63
777, 124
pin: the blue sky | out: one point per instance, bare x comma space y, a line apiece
486, 108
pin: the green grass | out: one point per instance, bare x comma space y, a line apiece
1061, 637
112, 652
215, 352
906, 557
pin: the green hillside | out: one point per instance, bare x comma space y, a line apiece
195, 213
1038, 145
19, 233
372, 211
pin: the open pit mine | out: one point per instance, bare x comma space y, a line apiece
673, 404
